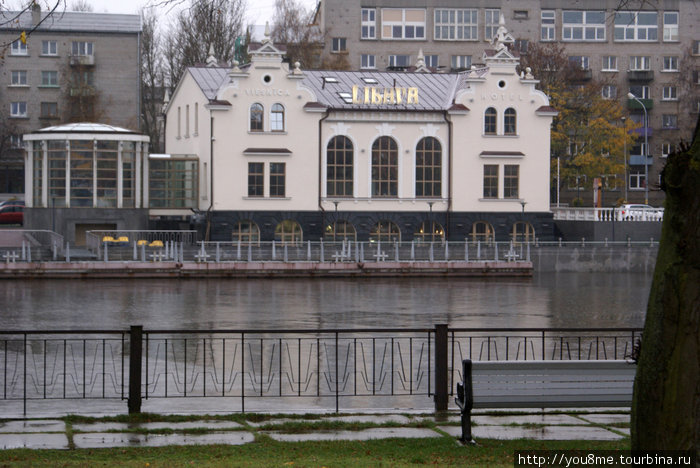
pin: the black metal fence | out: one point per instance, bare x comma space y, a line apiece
248, 364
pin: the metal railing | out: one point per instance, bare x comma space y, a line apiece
608, 214
33, 245
94, 240
332, 365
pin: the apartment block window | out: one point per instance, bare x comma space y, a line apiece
432, 61
669, 121
456, 25
399, 60
641, 92
18, 48
277, 179
491, 19
490, 180
49, 110
49, 48
82, 48
368, 61
461, 62
547, 25
640, 63
609, 92
403, 23
256, 179
511, 179
636, 180
666, 149
609, 63
583, 25
696, 48
670, 63
18, 109
671, 26
338, 44
670, 93
19, 78
49, 78
580, 61
16, 141
636, 26
520, 14
369, 23
490, 121
83, 78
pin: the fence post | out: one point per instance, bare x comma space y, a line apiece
441, 390
135, 360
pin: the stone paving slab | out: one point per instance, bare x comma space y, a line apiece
544, 433
606, 418
34, 441
359, 418
99, 440
175, 426
367, 434
546, 419
42, 425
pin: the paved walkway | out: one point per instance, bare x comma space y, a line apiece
57, 434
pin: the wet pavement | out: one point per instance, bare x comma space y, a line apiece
57, 434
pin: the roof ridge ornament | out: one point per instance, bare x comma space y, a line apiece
268, 35
502, 37
211, 59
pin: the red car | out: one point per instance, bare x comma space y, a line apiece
12, 212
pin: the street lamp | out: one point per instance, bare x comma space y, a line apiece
624, 155
646, 148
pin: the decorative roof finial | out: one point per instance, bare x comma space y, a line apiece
502, 38
211, 60
420, 60
268, 34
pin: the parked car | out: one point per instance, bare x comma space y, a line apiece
12, 212
638, 212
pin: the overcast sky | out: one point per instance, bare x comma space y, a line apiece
259, 11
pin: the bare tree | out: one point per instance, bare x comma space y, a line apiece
81, 5
152, 81
293, 26
9, 18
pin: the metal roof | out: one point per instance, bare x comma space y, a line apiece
74, 21
209, 79
84, 127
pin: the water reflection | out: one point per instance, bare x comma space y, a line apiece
547, 300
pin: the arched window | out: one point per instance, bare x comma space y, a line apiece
256, 118
428, 168
339, 169
490, 121
483, 231
340, 231
288, 232
385, 231
430, 231
385, 167
277, 118
246, 232
509, 122
523, 232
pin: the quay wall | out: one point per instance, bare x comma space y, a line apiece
595, 258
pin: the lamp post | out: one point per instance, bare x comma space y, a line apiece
624, 155
646, 148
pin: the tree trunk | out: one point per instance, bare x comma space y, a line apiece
666, 407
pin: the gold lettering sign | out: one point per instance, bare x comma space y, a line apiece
379, 96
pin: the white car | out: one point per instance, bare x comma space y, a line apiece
639, 213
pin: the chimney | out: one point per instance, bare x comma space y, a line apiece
36, 13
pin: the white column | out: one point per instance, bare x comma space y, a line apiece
120, 176
94, 173
44, 175
67, 196
144, 163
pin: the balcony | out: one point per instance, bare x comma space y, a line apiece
83, 90
643, 131
583, 75
82, 60
638, 160
640, 75
632, 104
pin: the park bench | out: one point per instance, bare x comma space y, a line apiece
542, 384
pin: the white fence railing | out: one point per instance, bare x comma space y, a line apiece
608, 214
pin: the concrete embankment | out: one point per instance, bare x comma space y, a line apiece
595, 258
262, 269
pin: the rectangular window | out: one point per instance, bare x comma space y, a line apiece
368, 61
670, 63
431, 61
83, 78
277, 179
172, 183
510, 180
369, 23
49, 110
82, 48
403, 23
520, 14
49, 48
187, 121
548, 25
16, 141
669, 121
18, 109
636, 26
491, 19
636, 180
338, 44
640, 63
399, 61
666, 149
580, 61
456, 25
82, 164
18, 48
671, 26
609, 92
491, 181
641, 92
19, 78
670, 93
49, 78
460, 62
256, 179
583, 25
609, 63
696, 48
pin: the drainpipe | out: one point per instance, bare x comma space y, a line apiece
320, 168
211, 177
450, 173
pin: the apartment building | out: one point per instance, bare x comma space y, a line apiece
73, 67
650, 50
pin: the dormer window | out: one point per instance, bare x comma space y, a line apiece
330, 79
370, 80
345, 96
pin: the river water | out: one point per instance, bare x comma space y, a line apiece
546, 300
